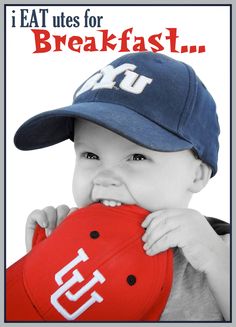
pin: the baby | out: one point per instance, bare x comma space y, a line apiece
145, 132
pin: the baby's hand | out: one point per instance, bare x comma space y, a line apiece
48, 218
188, 230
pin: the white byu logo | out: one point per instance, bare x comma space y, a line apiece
132, 82
76, 278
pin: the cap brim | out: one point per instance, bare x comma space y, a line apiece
54, 126
18, 304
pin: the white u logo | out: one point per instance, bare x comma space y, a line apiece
132, 82
76, 278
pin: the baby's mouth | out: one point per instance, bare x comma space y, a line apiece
110, 203
111, 196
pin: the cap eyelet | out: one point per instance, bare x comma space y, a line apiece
94, 234
131, 280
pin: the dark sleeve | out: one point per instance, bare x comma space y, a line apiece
221, 227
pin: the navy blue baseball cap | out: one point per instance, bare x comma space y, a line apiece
149, 98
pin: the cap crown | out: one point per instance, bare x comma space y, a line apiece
163, 90
93, 267
148, 98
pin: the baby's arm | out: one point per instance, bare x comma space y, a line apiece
48, 218
203, 248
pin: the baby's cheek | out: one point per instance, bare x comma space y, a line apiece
144, 196
76, 194
78, 190
82, 199
149, 202
82, 190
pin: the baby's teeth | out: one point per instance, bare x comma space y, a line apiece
114, 203
111, 203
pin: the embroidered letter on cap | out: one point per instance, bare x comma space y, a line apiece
76, 278
105, 79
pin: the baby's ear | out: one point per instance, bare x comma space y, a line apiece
201, 177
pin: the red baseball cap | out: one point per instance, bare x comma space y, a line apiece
91, 268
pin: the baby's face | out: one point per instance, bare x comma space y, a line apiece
115, 171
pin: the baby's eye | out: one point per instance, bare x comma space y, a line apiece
137, 157
90, 155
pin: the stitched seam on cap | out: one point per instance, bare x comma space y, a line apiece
189, 103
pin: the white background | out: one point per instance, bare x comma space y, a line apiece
40, 82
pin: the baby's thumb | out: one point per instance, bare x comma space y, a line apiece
62, 212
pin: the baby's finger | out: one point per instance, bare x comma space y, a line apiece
39, 217
157, 227
29, 239
51, 214
150, 218
159, 216
62, 211
169, 240
157, 232
36, 217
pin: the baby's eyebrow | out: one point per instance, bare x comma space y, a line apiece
79, 143
85, 145
137, 148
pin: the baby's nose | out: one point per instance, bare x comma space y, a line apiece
107, 179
